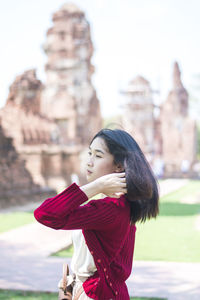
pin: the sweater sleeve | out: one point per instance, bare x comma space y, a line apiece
64, 211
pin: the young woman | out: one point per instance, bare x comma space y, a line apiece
105, 228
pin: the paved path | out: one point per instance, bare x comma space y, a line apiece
25, 263
34, 240
175, 281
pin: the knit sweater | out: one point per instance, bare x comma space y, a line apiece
110, 237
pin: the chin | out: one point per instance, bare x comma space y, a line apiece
89, 178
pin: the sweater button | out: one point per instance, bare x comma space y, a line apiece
107, 276
110, 283
99, 261
92, 252
105, 269
116, 293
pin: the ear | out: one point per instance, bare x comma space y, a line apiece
119, 168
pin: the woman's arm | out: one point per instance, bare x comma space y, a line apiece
64, 211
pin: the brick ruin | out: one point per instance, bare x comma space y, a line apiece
45, 127
69, 97
137, 117
48, 122
179, 148
168, 139
16, 182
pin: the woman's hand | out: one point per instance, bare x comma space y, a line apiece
112, 185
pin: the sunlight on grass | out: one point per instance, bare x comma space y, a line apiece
18, 295
68, 252
172, 236
168, 239
13, 220
190, 189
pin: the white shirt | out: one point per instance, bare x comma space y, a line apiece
82, 263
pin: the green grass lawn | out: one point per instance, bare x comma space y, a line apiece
18, 295
68, 252
16, 219
172, 236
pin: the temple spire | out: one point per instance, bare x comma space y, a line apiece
177, 83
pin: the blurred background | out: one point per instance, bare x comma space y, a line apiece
70, 68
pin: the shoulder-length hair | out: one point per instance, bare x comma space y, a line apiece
142, 186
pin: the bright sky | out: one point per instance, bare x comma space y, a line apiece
130, 37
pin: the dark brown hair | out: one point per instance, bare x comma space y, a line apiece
142, 186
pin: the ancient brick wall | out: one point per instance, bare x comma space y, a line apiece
16, 183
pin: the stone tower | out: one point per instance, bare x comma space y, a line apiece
69, 97
178, 131
137, 117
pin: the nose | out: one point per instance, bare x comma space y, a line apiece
90, 162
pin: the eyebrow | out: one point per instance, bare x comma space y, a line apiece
97, 150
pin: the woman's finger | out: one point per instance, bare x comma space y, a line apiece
118, 195
120, 174
123, 179
122, 183
123, 189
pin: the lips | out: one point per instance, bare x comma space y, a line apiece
89, 172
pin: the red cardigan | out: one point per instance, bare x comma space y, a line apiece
108, 234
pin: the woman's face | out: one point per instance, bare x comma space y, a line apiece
100, 162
